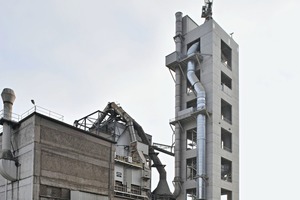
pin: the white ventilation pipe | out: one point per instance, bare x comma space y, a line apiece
201, 120
8, 167
177, 179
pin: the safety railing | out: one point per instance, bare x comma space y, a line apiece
15, 117
43, 111
128, 160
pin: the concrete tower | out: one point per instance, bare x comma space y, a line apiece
206, 124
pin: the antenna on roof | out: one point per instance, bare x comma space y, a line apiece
207, 10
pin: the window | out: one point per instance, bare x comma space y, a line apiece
191, 170
225, 81
120, 187
191, 43
225, 54
136, 189
226, 140
191, 194
226, 170
54, 192
226, 194
191, 139
226, 111
191, 104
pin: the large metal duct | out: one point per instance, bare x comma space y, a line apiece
8, 167
178, 41
201, 137
127, 118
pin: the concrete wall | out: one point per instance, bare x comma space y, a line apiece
56, 159
68, 158
23, 144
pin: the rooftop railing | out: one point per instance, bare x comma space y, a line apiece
16, 118
43, 111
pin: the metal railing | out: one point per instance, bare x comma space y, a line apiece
43, 111
128, 160
15, 117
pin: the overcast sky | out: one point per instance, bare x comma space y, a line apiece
72, 57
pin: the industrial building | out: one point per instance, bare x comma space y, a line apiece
104, 155
108, 155
205, 69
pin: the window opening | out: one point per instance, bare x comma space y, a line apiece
191, 168
136, 189
225, 81
191, 104
225, 54
226, 111
191, 139
226, 140
226, 170
191, 43
120, 187
191, 194
226, 194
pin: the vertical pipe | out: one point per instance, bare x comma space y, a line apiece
8, 168
178, 33
5, 194
177, 153
201, 122
8, 97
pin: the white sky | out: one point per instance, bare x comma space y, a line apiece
73, 57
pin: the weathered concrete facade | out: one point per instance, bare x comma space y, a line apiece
217, 69
59, 161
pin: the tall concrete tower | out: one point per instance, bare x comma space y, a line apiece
205, 69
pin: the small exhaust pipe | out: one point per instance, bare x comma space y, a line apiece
8, 168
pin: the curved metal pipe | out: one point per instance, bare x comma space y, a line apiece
177, 179
201, 120
127, 118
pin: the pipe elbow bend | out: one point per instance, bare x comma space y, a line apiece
8, 169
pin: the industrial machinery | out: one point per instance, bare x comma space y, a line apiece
134, 153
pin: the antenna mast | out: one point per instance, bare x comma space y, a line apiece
207, 10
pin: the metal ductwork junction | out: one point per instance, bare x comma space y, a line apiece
201, 121
8, 168
162, 191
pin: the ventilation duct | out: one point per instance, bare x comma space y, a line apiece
201, 120
8, 168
